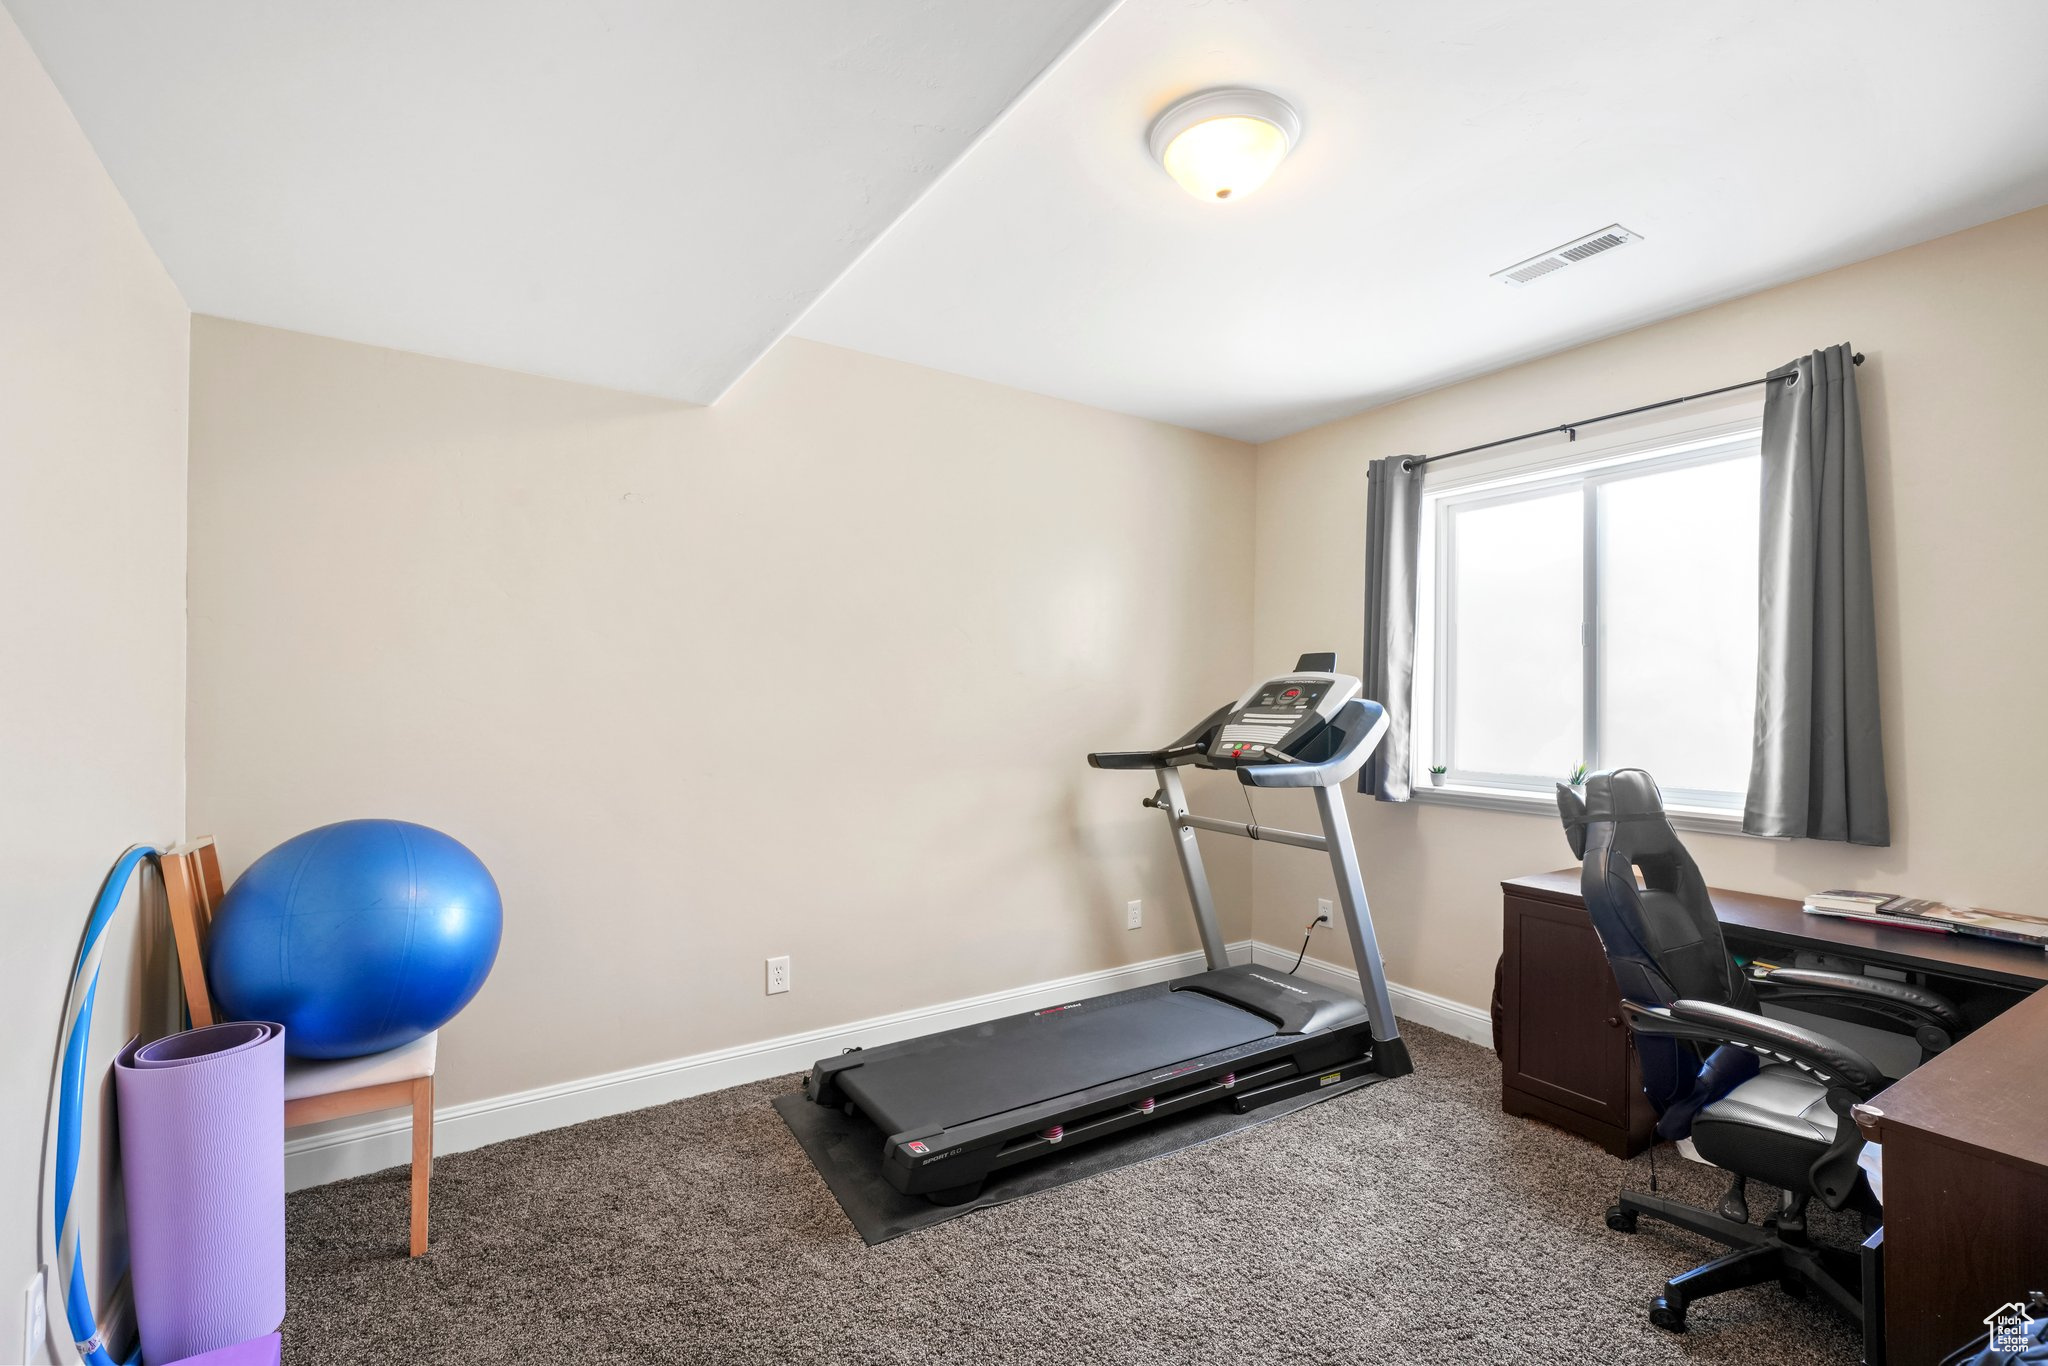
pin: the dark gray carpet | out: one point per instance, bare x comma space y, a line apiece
1410, 1222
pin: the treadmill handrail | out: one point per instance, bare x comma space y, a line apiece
1185, 750
1362, 722
1173, 757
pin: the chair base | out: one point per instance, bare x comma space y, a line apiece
1772, 1251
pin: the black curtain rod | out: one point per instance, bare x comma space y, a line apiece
1570, 429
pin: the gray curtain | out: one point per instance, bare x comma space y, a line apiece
1393, 522
1817, 770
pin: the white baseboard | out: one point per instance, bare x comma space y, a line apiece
379, 1143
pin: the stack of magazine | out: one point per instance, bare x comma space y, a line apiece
1916, 913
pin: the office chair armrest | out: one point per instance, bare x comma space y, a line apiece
1834, 1064
1935, 1020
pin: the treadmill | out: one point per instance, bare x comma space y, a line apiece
959, 1105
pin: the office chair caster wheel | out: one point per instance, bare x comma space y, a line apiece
1664, 1315
1621, 1220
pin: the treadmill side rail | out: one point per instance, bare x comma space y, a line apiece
822, 1085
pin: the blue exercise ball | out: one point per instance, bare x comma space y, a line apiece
356, 937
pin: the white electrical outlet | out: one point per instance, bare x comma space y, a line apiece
1134, 914
35, 1321
1326, 910
778, 975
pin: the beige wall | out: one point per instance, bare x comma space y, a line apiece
93, 340
1955, 409
811, 672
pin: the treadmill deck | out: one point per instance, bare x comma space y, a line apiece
966, 1074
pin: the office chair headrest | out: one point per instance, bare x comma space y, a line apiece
1619, 794
1645, 895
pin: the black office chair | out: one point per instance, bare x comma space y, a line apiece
1759, 1098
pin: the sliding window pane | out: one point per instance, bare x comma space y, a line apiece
1516, 596
1678, 615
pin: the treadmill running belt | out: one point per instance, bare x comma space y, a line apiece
982, 1070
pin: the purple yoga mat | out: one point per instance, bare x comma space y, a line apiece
202, 1157
264, 1351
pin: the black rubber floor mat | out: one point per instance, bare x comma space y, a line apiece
847, 1151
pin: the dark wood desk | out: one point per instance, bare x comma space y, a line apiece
1750, 918
1965, 1137
1965, 1142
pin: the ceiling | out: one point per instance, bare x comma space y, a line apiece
636, 193
1749, 143
646, 194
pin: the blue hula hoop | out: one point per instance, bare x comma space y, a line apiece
86, 1333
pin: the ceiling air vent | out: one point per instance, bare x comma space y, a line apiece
1570, 254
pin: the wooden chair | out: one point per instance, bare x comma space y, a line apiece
314, 1090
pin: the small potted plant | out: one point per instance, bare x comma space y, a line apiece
1578, 778
1436, 774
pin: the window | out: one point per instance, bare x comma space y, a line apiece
1604, 613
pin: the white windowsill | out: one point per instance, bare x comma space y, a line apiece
1704, 819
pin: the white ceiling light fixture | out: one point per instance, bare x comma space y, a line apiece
1223, 144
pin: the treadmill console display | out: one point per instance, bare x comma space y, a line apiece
1277, 716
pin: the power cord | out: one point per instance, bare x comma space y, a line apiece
1299, 958
1308, 934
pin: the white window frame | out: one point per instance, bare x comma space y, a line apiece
1588, 468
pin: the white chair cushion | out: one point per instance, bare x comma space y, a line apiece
305, 1077
1779, 1098
1871, 1159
